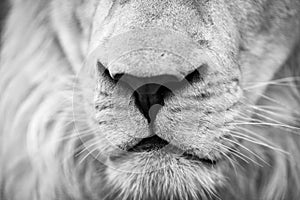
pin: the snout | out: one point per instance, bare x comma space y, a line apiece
152, 62
177, 90
156, 63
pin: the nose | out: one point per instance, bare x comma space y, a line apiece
149, 93
153, 62
151, 52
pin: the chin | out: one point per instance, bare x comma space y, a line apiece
161, 174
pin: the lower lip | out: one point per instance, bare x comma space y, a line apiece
163, 153
202, 160
177, 152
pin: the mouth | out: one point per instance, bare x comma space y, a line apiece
155, 143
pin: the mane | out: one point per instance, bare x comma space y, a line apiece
276, 173
42, 157
38, 138
3, 12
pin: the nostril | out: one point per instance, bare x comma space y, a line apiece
148, 92
196, 75
193, 77
149, 98
103, 71
116, 77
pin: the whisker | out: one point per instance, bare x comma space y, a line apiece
89, 152
260, 143
251, 152
286, 80
255, 140
254, 121
273, 100
271, 119
265, 124
75, 136
232, 162
240, 155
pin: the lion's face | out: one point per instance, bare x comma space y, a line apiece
168, 82
164, 87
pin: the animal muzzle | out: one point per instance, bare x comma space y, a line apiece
152, 62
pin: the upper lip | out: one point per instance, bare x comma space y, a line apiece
148, 144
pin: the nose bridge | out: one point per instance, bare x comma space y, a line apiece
141, 13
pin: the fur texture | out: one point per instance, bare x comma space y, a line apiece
61, 120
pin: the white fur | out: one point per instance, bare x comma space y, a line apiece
48, 126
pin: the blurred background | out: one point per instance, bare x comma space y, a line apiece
4, 7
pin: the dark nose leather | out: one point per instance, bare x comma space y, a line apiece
149, 93
150, 96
